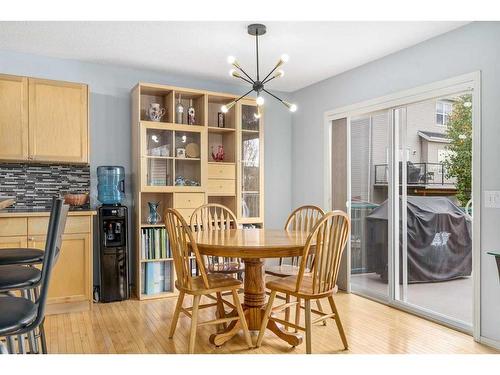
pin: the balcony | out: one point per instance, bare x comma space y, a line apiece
418, 174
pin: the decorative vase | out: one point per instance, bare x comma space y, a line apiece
155, 112
191, 114
220, 119
154, 217
179, 111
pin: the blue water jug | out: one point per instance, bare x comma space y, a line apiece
110, 184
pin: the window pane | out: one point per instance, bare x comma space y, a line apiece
439, 118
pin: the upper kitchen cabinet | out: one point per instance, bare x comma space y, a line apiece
13, 118
58, 121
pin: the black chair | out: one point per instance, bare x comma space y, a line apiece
21, 315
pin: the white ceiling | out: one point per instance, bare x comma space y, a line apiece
317, 50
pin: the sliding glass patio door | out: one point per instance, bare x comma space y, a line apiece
410, 205
433, 249
369, 189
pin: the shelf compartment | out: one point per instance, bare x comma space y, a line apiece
165, 200
158, 142
188, 169
250, 205
164, 97
228, 201
157, 278
248, 120
198, 100
159, 172
228, 142
214, 104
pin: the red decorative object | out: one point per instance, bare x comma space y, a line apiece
219, 156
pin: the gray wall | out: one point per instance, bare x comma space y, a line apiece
470, 48
110, 119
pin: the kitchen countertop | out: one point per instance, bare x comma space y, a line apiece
13, 212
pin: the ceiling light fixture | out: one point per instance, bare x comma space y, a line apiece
257, 30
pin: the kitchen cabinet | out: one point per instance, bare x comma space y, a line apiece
58, 121
70, 278
13, 118
71, 281
43, 120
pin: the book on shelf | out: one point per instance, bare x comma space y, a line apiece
155, 244
157, 277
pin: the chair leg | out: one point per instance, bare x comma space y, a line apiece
175, 318
339, 323
220, 309
21, 344
320, 308
10, 345
297, 314
3, 348
194, 323
41, 329
42, 337
267, 314
308, 325
287, 311
31, 334
243, 319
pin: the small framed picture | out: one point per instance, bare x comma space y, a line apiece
181, 153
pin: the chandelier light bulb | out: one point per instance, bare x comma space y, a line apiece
231, 60
227, 107
260, 100
258, 114
280, 73
291, 107
234, 73
285, 58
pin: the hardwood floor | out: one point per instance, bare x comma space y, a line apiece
142, 327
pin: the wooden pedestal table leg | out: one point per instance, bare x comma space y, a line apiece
254, 302
255, 292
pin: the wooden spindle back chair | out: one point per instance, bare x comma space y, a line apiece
303, 219
183, 245
328, 238
215, 216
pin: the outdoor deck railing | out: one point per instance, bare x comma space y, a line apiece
417, 174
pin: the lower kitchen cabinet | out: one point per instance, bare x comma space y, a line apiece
71, 281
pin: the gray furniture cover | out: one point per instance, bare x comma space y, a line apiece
439, 240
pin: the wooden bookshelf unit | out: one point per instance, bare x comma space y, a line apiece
186, 179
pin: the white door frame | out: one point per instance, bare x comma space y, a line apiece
465, 82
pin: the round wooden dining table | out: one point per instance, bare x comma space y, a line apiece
252, 246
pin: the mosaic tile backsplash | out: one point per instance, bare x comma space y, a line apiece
34, 185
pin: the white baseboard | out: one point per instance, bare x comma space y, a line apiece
490, 342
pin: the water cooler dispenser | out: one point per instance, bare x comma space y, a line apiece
113, 234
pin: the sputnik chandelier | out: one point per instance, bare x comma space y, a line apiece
258, 83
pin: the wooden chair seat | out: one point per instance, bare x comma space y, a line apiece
288, 285
217, 282
283, 270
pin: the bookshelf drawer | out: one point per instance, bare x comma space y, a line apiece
186, 213
219, 186
189, 200
222, 171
